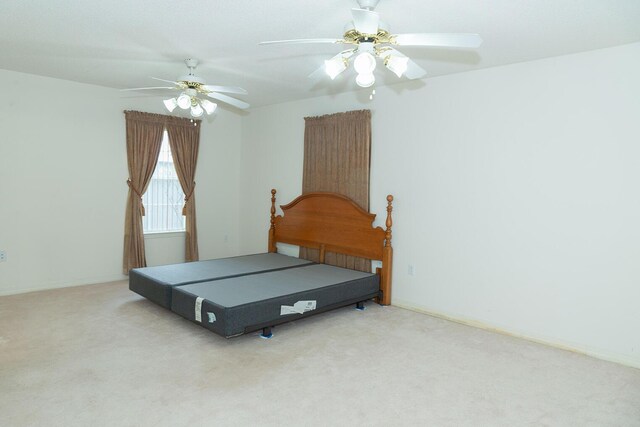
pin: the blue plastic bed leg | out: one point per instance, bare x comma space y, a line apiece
360, 306
266, 333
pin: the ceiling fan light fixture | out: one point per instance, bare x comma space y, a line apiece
334, 66
370, 38
171, 104
365, 79
365, 63
396, 64
184, 101
196, 110
208, 106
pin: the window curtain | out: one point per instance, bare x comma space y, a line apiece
144, 138
337, 157
184, 139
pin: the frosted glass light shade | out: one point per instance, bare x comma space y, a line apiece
365, 80
365, 63
397, 64
184, 101
171, 104
196, 110
208, 106
334, 66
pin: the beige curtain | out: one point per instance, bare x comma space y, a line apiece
184, 139
144, 138
337, 153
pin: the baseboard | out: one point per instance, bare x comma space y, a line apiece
563, 345
63, 284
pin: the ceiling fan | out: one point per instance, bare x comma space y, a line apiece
192, 88
373, 40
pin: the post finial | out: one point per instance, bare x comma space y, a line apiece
389, 221
272, 229
273, 208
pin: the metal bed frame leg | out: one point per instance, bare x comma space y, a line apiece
266, 333
360, 306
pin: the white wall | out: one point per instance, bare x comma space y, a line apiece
516, 191
62, 184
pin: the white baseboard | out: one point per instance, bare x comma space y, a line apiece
609, 356
63, 284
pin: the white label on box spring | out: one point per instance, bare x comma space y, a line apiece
199, 309
298, 308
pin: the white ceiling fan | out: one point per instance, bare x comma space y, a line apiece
191, 89
373, 40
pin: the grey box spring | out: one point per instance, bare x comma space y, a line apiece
242, 304
155, 283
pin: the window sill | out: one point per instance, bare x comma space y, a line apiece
163, 234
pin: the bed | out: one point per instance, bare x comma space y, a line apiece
234, 296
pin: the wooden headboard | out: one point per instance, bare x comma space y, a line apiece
331, 222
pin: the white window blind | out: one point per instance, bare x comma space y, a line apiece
164, 199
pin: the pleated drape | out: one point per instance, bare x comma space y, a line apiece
144, 138
184, 139
337, 157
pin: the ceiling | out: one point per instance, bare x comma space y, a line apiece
121, 43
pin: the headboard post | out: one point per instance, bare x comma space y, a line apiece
272, 229
387, 257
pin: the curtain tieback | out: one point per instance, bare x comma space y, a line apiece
135, 190
186, 199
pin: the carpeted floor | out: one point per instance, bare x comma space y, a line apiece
100, 355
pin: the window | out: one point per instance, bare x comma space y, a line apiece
164, 199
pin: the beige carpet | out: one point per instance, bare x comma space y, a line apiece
102, 356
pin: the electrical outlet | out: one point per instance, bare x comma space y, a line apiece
3, 256
410, 270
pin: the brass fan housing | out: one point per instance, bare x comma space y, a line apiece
353, 36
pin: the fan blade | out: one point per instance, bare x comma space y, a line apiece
439, 40
299, 41
225, 89
318, 73
146, 88
413, 71
166, 81
365, 21
229, 100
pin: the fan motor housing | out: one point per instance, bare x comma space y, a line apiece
355, 37
191, 80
